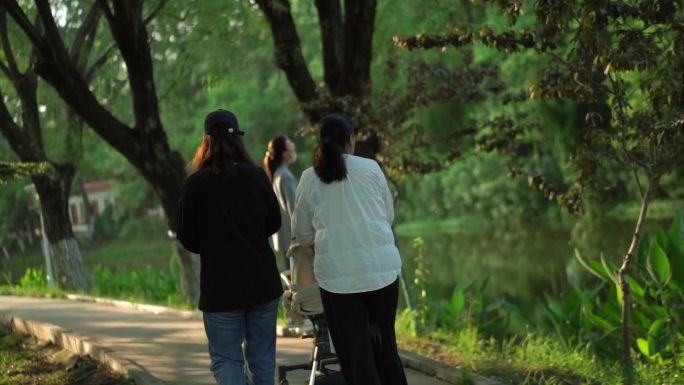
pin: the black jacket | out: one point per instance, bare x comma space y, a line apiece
228, 221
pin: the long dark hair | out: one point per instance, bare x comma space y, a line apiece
274, 155
334, 135
220, 153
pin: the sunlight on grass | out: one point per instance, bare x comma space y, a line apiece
115, 254
532, 360
135, 253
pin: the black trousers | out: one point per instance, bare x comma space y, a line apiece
362, 331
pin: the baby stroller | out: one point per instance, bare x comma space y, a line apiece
303, 301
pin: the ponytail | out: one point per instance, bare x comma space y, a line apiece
274, 155
328, 159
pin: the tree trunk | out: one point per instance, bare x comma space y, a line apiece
53, 189
347, 50
628, 365
67, 265
190, 269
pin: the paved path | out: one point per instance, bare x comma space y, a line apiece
173, 349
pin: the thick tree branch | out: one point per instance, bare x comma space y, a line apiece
128, 29
15, 11
358, 47
85, 38
155, 11
90, 73
106, 11
56, 50
12, 133
54, 65
332, 39
288, 51
5, 70
26, 141
12, 70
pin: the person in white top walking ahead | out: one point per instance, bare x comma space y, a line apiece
344, 208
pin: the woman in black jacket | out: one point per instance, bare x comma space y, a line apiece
226, 214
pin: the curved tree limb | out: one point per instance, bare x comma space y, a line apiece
359, 25
332, 40
288, 51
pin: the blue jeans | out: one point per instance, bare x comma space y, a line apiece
255, 326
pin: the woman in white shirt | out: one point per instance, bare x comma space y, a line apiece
344, 208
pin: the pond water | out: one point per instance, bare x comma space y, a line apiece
522, 262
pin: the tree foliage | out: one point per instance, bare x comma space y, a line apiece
628, 55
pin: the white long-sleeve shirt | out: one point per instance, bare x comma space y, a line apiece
350, 224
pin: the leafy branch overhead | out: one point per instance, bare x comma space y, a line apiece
389, 114
625, 56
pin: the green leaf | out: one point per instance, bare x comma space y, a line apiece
677, 265
483, 286
662, 238
609, 268
496, 305
491, 324
611, 311
643, 346
513, 310
619, 295
457, 302
554, 309
658, 265
636, 289
600, 322
676, 233
655, 335
642, 252
594, 267
640, 321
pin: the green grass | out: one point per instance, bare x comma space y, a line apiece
23, 364
137, 253
114, 254
534, 360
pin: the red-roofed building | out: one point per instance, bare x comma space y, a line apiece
101, 194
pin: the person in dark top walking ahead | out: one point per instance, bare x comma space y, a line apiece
226, 214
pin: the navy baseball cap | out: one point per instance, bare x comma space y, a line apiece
220, 120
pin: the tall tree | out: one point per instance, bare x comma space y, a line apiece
26, 140
144, 143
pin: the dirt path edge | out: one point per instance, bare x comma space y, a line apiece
81, 346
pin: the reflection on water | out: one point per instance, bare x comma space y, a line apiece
523, 262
